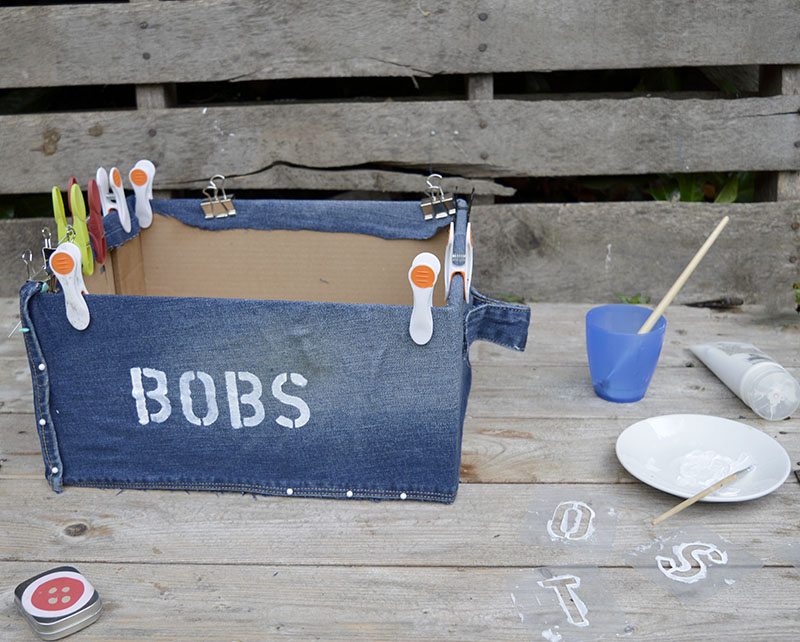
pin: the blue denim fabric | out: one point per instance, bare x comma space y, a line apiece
272, 397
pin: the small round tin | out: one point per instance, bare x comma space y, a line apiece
58, 602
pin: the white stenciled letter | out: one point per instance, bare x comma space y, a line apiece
572, 520
159, 395
186, 398
252, 399
290, 400
681, 568
571, 604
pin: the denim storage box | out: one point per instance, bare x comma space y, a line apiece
199, 373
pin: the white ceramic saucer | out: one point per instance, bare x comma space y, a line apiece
684, 454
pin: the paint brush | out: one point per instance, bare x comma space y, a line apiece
695, 498
655, 315
679, 282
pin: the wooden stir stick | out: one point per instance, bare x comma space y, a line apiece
700, 495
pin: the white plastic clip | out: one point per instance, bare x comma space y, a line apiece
65, 263
141, 177
111, 196
437, 204
106, 197
422, 276
465, 268
115, 177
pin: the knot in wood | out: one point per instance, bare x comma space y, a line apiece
76, 530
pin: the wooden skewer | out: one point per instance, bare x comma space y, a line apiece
699, 496
656, 314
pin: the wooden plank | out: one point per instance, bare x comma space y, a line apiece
220, 602
521, 385
589, 251
481, 528
736, 81
12, 346
16, 389
480, 87
557, 335
788, 187
522, 391
18, 236
494, 449
518, 138
515, 391
155, 96
152, 42
549, 450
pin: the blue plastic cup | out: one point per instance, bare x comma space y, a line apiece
621, 361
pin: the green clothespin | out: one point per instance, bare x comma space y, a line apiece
78, 208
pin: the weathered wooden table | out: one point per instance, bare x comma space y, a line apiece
179, 566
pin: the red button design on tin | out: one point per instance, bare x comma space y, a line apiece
57, 594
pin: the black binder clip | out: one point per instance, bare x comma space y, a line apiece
437, 204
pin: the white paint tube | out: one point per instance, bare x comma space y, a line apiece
754, 377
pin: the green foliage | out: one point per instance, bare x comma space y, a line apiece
716, 187
635, 299
796, 288
510, 298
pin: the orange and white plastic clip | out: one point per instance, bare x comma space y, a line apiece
423, 274
65, 263
115, 178
106, 197
453, 268
141, 177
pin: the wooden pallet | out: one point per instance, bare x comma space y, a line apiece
388, 141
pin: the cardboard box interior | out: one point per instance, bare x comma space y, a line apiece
173, 259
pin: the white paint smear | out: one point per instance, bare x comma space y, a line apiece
700, 469
552, 637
